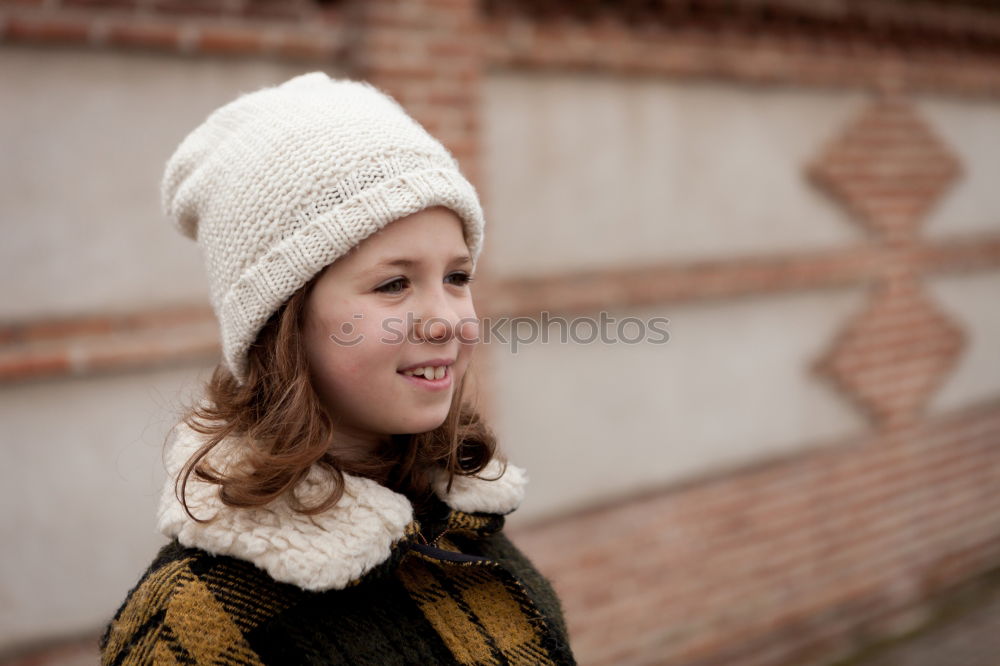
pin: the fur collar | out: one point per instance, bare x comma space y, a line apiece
326, 551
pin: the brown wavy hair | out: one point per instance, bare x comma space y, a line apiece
278, 409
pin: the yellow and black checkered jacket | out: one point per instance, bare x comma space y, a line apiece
368, 582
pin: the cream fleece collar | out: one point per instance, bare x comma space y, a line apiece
325, 551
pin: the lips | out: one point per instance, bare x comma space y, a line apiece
430, 363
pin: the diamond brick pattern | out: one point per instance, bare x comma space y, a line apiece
895, 353
888, 167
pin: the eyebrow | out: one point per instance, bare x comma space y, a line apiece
409, 263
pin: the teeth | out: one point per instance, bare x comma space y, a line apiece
428, 372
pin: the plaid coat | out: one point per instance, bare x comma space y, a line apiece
366, 582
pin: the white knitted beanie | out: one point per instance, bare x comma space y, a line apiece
280, 182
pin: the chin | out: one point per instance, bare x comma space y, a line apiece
426, 424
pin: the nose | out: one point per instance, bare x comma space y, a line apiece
438, 319
434, 329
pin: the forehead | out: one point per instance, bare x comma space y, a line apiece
431, 232
434, 235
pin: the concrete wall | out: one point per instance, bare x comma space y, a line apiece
596, 171
81, 482
86, 136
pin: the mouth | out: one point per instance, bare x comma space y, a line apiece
434, 378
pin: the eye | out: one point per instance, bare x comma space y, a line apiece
462, 278
389, 287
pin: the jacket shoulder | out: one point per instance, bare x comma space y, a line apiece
192, 607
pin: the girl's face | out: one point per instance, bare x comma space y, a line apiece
398, 299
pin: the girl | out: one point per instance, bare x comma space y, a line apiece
331, 499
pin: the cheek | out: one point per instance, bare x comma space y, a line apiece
340, 373
468, 309
468, 325
468, 332
369, 359
329, 345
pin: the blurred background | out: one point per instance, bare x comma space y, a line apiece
805, 473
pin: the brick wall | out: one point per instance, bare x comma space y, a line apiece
297, 29
789, 561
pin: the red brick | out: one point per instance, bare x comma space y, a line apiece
202, 8
100, 4
17, 368
309, 47
164, 36
47, 30
212, 39
279, 10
